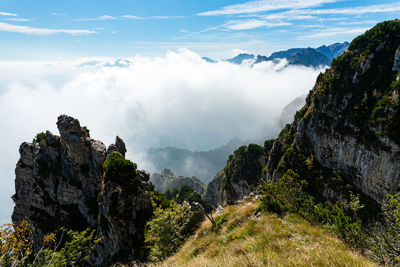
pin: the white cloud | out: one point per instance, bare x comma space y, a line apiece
336, 31
384, 8
178, 99
57, 14
19, 19
346, 23
237, 51
167, 17
265, 5
104, 17
5, 27
8, 14
130, 17
253, 24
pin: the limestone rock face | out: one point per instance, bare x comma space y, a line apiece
239, 178
396, 64
350, 122
58, 182
214, 192
124, 210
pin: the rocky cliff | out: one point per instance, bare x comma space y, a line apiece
239, 178
347, 136
74, 181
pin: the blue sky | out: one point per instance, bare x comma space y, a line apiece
45, 29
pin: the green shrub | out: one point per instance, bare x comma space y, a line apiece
337, 217
167, 230
75, 252
117, 168
384, 237
219, 221
85, 131
160, 200
40, 139
187, 193
286, 195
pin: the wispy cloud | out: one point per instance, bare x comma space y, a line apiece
5, 27
384, 8
253, 24
104, 17
8, 14
19, 19
167, 17
57, 14
205, 30
239, 25
265, 5
305, 14
335, 31
125, 17
130, 17
345, 23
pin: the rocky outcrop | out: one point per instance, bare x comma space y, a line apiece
167, 180
59, 180
240, 177
214, 192
124, 207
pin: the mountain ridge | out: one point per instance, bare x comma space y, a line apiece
310, 57
346, 136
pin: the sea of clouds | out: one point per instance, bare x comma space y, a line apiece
176, 100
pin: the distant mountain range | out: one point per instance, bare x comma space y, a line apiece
206, 164
184, 162
310, 57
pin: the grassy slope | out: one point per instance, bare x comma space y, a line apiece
267, 240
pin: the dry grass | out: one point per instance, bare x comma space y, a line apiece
267, 240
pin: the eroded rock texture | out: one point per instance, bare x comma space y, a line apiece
60, 182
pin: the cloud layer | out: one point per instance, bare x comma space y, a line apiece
176, 100
6, 27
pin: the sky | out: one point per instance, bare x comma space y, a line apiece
46, 29
135, 68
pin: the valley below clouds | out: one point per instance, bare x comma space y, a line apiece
175, 100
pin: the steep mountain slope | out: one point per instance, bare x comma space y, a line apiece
245, 237
346, 138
